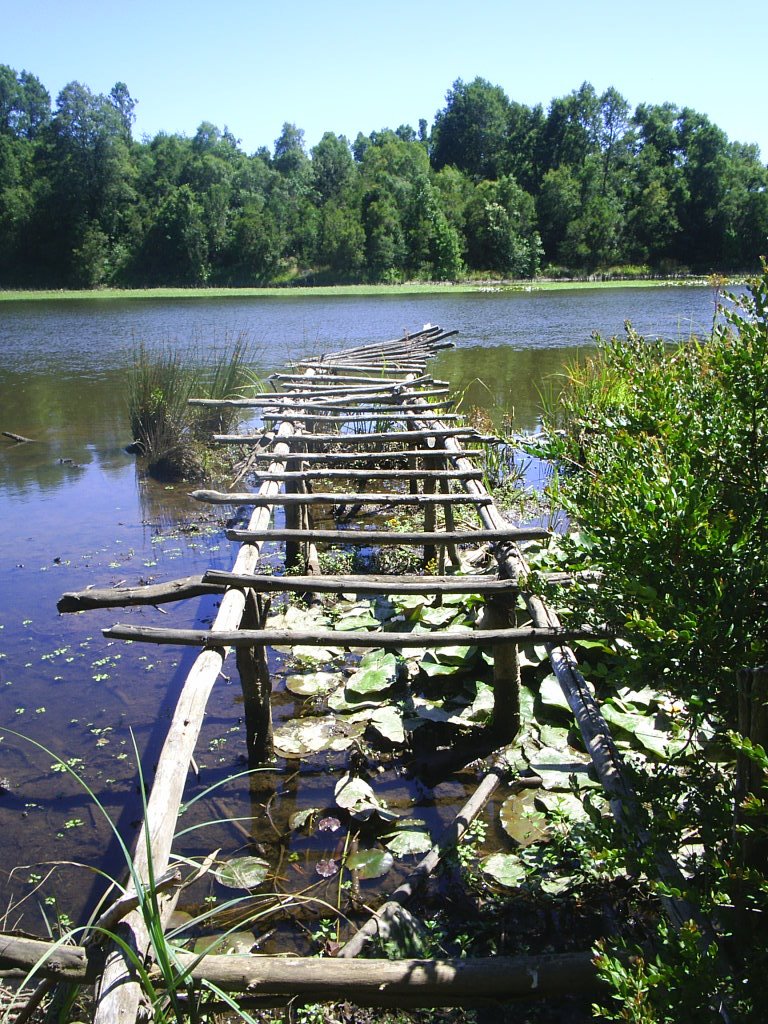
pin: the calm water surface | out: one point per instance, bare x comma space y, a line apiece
75, 513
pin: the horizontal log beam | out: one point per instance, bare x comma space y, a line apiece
368, 584
122, 597
332, 498
423, 982
346, 638
373, 474
351, 418
321, 379
391, 537
342, 457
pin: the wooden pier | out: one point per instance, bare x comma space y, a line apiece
365, 415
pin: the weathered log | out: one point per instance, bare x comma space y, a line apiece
335, 498
118, 992
348, 638
361, 981
372, 474
122, 597
367, 584
389, 436
347, 419
18, 438
393, 537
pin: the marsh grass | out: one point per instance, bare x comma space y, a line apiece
166, 430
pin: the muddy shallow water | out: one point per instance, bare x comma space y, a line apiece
77, 512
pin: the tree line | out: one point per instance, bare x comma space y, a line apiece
494, 186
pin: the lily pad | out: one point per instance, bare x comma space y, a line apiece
243, 873
643, 727
566, 804
356, 796
311, 735
505, 868
520, 819
389, 722
300, 818
313, 684
557, 766
371, 863
408, 842
377, 671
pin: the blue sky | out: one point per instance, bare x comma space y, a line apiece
347, 67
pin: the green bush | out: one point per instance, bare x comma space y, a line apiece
662, 455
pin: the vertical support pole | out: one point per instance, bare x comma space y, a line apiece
450, 521
506, 672
257, 685
430, 520
292, 519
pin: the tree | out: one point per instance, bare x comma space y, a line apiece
333, 167
175, 249
472, 129
572, 129
558, 205
501, 229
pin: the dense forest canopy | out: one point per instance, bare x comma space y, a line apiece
495, 186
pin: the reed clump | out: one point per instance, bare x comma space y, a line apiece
172, 435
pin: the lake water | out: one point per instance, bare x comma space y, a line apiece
75, 512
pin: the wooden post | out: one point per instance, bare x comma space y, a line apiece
506, 673
292, 519
257, 685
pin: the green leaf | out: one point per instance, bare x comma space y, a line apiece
505, 868
520, 819
311, 735
405, 843
389, 722
377, 671
313, 684
243, 873
300, 818
552, 695
371, 863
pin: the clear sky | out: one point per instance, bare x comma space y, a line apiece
347, 66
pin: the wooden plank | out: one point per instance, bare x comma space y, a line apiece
121, 597
320, 379
386, 413
367, 584
118, 992
332, 396
373, 474
335, 498
426, 982
347, 638
390, 436
365, 456
369, 537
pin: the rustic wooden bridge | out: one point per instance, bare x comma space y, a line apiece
352, 419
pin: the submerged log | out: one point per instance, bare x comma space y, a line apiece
18, 438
